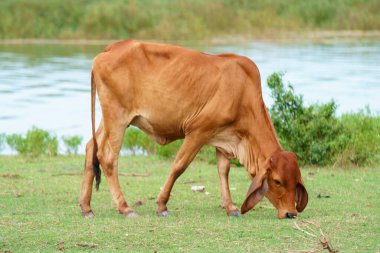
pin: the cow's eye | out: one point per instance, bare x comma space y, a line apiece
278, 183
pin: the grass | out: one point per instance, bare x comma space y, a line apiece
39, 211
178, 20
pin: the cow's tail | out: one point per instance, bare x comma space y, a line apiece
95, 161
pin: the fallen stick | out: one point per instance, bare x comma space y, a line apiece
319, 235
85, 244
135, 174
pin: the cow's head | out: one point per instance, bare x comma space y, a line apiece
280, 181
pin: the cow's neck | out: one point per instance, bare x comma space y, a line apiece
260, 143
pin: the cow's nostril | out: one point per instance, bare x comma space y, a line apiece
291, 215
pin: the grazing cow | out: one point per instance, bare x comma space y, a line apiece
172, 93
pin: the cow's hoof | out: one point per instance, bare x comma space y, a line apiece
235, 214
163, 213
88, 215
131, 215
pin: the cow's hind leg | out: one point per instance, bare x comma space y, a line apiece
87, 182
192, 144
88, 177
108, 155
223, 170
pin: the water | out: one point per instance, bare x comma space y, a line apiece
48, 86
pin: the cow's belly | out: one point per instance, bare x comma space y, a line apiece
162, 133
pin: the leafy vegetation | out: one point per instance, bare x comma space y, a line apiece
317, 135
362, 139
137, 142
312, 132
72, 143
36, 142
167, 19
39, 211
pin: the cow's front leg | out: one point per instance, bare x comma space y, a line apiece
223, 171
190, 147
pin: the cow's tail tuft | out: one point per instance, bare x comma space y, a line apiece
95, 160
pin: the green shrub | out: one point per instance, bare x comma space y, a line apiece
362, 139
36, 142
169, 150
135, 140
15, 142
72, 143
312, 132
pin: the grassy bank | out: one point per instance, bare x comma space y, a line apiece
168, 20
39, 211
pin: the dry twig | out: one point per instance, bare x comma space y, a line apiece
135, 174
85, 244
314, 230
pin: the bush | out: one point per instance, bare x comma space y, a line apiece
362, 139
169, 150
312, 132
137, 141
72, 143
316, 135
36, 142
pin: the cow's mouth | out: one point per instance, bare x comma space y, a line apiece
282, 214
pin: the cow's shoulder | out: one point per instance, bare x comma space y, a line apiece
122, 44
246, 64
247, 68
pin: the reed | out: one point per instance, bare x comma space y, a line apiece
180, 20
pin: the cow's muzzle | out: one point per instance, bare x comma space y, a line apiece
291, 215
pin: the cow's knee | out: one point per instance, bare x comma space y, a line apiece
108, 161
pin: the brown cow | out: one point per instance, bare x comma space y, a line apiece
171, 93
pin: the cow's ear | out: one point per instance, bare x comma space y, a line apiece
301, 196
255, 192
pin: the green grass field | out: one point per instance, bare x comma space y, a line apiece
39, 210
